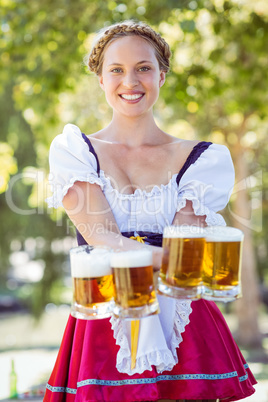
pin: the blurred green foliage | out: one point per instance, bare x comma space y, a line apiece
217, 90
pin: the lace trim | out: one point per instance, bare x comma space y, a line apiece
55, 201
138, 192
182, 313
212, 218
163, 359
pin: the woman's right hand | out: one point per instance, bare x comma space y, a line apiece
157, 257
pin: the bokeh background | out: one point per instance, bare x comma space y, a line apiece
217, 91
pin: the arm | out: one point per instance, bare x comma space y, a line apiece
88, 209
187, 216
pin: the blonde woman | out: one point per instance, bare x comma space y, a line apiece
132, 178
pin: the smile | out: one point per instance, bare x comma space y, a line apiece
131, 97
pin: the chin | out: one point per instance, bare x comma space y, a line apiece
133, 114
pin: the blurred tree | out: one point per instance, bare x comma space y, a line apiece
221, 67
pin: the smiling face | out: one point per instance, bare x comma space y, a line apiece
131, 77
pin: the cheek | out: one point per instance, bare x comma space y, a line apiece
109, 85
110, 90
152, 81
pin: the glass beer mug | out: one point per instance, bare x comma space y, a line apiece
135, 295
181, 271
93, 287
222, 263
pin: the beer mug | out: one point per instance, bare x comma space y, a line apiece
135, 294
222, 263
181, 270
93, 287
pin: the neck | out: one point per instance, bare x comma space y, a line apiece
134, 132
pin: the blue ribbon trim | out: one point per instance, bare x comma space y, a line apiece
62, 389
152, 380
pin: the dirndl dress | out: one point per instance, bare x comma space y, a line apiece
185, 352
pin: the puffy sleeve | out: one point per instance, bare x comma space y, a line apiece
208, 183
70, 160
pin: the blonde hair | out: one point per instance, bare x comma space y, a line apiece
127, 28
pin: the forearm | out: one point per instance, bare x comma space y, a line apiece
118, 242
96, 235
96, 223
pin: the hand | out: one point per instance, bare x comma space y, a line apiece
157, 258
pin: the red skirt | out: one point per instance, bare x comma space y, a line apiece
210, 365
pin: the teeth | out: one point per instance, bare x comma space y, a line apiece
131, 97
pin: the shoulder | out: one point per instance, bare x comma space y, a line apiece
178, 147
209, 179
70, 135
203, 150
187, 144
209, 161
72, 146
71, 140
212, 157
186, 152
181, 147
216, 152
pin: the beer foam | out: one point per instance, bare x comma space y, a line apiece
89, 263
223, 234
132, 258
184, 231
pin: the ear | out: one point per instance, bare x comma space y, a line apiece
100, 77
162, 78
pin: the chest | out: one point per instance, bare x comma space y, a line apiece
142, 168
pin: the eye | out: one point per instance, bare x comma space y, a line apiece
144, 68
116, 70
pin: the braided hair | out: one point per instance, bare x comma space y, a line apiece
127, 28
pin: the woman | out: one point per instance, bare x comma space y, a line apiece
131, 178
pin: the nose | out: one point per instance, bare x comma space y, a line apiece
130, 79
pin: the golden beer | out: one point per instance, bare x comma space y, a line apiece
135, 294
93, 287
222, 263
89, 291
181, 269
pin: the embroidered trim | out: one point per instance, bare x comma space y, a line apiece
153, 380
243, 378
157, 379
67, 390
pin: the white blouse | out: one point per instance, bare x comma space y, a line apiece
208, 183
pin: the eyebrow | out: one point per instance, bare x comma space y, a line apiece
140, 62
